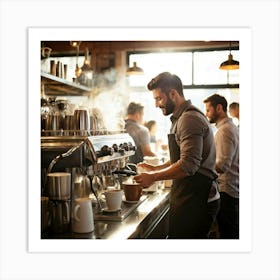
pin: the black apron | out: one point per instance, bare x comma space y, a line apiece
188, 216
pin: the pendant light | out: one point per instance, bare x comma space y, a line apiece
76, 44
86, 75
134, 70
229, 64
86, 68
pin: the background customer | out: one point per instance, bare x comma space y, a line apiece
155, 143
234, 111
227, 165
140, 134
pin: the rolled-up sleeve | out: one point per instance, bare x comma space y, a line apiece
225, 149
189, 136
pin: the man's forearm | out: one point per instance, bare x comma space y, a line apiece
173, 171
162, 166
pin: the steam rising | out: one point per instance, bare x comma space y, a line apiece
110, 96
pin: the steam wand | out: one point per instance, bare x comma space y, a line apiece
68, 153
90, 177
94, 192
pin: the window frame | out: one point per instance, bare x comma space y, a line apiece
192, 86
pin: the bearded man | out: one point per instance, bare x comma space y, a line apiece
227, 165
192, 160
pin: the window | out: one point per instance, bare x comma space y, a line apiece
206, 68
155, 63
199, 72
195, 68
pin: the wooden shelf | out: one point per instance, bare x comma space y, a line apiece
57, 86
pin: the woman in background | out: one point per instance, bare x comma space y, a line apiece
152, 126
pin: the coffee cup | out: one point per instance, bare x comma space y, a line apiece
82, 216
132, 191
113, 199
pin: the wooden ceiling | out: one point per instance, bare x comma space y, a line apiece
64, 47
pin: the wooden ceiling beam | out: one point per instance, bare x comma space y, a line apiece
64, 47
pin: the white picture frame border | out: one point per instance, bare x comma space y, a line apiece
38, 34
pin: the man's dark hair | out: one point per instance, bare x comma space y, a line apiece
134, 108
166, 81
234, 105
216, 99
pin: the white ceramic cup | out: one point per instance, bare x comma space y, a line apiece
82, 216
113, 199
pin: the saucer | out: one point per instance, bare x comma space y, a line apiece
149, 191
110, 210
131, 201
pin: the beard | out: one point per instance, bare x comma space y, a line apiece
212, 119
168, 108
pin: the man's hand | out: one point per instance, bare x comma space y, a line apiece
145, 179
145, 167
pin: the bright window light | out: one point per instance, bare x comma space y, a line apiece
179, 63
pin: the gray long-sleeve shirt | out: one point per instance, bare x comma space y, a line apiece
141, 137
195, 138
227, 147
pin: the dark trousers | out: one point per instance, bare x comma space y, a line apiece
228, 217
213, 209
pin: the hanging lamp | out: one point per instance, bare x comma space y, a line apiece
86, 68
229, 64
86, 75
134, 70
76, 44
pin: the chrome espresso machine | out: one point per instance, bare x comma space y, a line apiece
95, 161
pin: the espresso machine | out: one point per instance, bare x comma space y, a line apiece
93, 161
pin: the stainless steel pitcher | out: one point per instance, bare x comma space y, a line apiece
68, 124
60, 216
82, 121
59, 185
54, 123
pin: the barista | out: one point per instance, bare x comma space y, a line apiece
192, 160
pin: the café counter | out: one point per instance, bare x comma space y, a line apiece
146, 220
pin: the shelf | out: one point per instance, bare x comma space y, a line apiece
57, 86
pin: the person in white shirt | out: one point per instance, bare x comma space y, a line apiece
227, 165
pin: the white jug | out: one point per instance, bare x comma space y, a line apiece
82, 216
